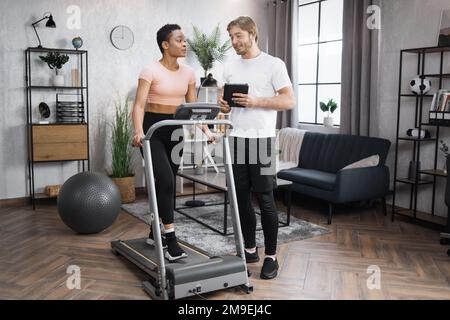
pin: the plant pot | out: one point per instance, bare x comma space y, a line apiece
328, 121
126, 188
58, 80
208, 82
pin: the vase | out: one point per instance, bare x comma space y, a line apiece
58, 79
328, 121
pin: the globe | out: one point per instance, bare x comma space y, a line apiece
77, 42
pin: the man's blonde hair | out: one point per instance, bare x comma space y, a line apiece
245, 23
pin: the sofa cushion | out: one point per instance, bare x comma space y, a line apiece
310, 177
332, 152
371, 161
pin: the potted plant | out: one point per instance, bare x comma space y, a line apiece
329, 108
208, 50
121, 150
444, 150
55, 61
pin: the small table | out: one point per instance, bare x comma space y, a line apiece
212, 179
217, 181
287, 200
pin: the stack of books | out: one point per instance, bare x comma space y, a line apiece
440, 108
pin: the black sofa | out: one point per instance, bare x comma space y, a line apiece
319, 174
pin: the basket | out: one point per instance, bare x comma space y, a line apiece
126, 188
52, 191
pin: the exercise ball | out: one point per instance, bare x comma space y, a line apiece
89, 202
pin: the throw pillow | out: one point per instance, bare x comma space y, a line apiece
371, 161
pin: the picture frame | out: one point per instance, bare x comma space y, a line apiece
444, 29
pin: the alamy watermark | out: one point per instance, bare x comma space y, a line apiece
374, 20
374, 280
260, 151
74, 280
74, 20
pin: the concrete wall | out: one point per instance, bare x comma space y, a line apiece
110, 71
409, 24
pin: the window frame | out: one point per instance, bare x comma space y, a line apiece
316, 83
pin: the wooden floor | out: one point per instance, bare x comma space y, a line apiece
37, 248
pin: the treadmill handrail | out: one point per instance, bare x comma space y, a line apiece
164, 123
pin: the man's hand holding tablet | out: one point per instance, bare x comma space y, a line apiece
235, 94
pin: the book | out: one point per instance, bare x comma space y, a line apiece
447, 105
75, 78
439, 103
434, 101
444, 101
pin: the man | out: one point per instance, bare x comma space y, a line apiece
253, 135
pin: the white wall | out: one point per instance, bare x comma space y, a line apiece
409, 24
110, 70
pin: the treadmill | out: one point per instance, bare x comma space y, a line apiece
199, 272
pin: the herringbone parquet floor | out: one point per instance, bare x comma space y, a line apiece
37, 248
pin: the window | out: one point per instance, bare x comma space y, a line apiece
319, 58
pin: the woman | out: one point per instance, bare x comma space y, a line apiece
163, 86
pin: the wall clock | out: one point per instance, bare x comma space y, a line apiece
122, 37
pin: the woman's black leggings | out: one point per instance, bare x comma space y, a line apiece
164, 166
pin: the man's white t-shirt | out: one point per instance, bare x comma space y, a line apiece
265, 75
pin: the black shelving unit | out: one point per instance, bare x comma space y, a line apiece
81, 57
420, 102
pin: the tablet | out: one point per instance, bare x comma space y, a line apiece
231, 88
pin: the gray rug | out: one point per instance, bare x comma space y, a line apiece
213, 242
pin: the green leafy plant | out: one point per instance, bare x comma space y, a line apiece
55, 60
121, 148
208, 48
329, 107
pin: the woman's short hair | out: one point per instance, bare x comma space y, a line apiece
163, 34
245, 23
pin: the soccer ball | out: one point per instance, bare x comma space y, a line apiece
417, 87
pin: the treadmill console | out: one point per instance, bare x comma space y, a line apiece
197, 111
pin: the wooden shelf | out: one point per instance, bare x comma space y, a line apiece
59, 124
437, 75
409, 181
56, 88
54, 141
432, 172
416, 139
68, 51
428, 50
428, 176
43, 196
434, 124
417, 95
59, 143
429, 220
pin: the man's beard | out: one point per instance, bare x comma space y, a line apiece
246, 47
